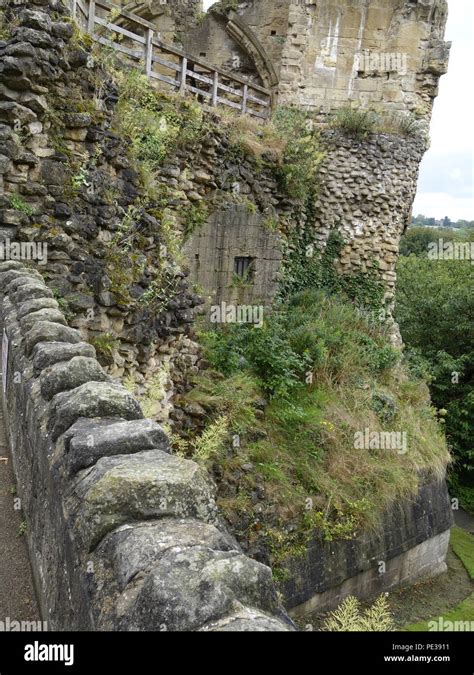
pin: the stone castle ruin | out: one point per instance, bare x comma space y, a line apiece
101, 490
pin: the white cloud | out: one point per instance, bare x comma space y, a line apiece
441, 204
208, 3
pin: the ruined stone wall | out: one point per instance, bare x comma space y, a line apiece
122, 535
366, 192
67, 183
385, 54
172, 18
321, 64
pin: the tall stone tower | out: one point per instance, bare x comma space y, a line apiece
321, 54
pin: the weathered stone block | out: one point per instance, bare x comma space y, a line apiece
48, 353
173, 598
150, 484
45, 331
93, 399
64, 376
94, 442
45, 314
134, 549
33, 306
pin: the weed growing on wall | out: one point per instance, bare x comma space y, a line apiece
156, 124
307, 268
302, 156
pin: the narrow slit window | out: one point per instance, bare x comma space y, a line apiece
244, 267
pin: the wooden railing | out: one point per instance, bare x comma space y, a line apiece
140, 42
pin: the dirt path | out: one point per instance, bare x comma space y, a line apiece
17, 597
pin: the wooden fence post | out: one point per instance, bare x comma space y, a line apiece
91, 17
184, 68
149, 52
215, 88
244, 98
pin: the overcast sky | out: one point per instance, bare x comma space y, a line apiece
446, 179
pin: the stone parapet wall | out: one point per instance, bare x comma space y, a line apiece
122, 534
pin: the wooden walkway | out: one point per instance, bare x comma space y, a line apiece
136, 39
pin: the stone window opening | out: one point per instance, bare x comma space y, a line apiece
244, 267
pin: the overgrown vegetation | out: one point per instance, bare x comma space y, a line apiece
355, 122
105, 344
435, 310
283, 405
18, 203
306, 267
361, 122
156, 124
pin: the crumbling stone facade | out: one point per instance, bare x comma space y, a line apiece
322, 54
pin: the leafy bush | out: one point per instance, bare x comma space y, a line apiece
435, 310
302, 156
156, 123
310, 270
417, 239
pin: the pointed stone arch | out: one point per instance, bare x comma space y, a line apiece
249, 43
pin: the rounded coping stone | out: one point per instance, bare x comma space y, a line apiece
46, 314
95, 441
47, 331
67, 375
12, 275
92, 399
150, 484
29, 292
7, 265
15, 284
46, 354
134, 548
35, 305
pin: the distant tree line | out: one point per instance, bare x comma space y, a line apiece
423, 221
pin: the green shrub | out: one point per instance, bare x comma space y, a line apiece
435, 311
302, 156
18, 203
